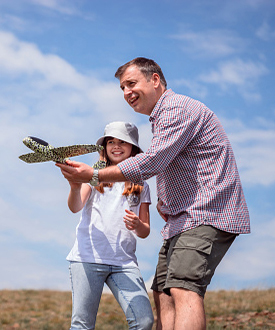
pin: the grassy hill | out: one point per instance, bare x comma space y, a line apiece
51, 310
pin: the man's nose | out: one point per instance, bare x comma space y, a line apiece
127, 91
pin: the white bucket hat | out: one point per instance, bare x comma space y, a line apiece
127, 132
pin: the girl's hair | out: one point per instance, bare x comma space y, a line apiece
130, 188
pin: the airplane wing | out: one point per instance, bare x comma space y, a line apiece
75, 150
44, 152
35, 157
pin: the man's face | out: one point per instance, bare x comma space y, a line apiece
139, 93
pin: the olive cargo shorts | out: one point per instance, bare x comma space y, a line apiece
189, 259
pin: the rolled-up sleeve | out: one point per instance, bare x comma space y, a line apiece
130, 168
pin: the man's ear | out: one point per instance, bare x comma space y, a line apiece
156, 80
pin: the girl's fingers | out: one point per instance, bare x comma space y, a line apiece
130, 224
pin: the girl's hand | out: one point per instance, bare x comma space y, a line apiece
131, 220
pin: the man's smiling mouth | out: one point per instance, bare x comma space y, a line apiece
133, 100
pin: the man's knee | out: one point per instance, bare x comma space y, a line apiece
184, 298
189, 309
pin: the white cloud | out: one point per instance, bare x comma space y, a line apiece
210, 43
240, 74
254, 150
39, 216
232, 73
236, 72
265, 32
28, 272
145, 135
196, 88
54, 97
21, 58
64, 7
17, 23
245, 260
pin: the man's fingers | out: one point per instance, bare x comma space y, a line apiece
164, 216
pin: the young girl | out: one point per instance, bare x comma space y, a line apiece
104, 250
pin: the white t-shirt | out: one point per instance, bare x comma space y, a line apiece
101, 235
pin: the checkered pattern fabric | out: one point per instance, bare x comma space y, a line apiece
197, 175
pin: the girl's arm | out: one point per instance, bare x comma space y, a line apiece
140, 224
78, 196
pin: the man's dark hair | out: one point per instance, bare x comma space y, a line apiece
146, 66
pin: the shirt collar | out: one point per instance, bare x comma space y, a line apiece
157, 107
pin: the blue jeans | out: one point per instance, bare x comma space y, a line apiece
127, 286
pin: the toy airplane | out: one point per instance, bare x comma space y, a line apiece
44, 152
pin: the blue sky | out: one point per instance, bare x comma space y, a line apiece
57, 65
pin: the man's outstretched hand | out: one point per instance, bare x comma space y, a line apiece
76, 171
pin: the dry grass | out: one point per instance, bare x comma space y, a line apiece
29, 309
51, 310
248, 309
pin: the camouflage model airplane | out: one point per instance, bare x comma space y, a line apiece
44, 152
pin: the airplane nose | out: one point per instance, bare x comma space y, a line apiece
27, 140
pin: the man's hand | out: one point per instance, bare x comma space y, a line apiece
164, 216
75, 171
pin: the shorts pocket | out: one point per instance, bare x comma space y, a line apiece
188, 259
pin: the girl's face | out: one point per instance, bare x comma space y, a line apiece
118, 150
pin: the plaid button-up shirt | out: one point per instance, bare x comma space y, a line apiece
197, 175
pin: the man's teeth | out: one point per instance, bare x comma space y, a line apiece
133, 100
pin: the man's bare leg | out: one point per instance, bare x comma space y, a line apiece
189, 310
165, 311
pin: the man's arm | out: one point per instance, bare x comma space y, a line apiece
80, 172
111, 174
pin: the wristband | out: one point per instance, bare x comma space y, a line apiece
94, 181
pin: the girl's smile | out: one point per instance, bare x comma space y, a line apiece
118, 150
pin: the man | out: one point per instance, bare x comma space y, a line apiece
198, 186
